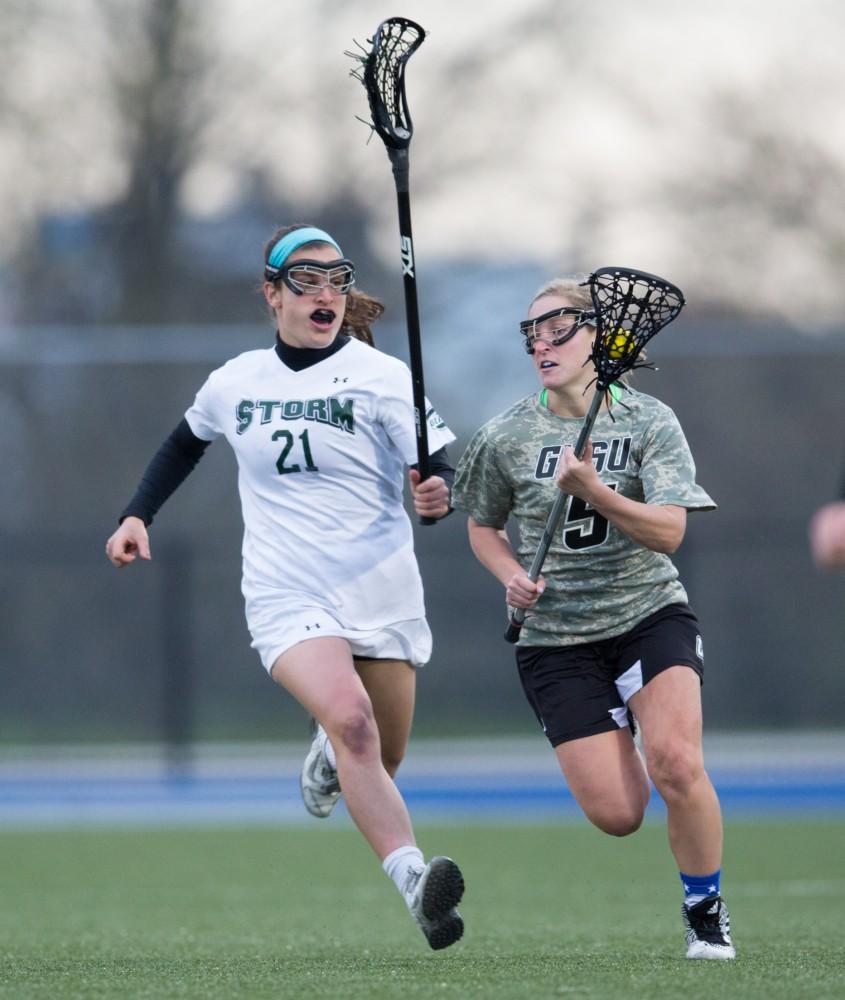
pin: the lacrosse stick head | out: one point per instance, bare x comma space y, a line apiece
631, 307
382, 71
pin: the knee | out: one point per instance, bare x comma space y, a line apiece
617, 807
618, 820
391, 764
391, 758
675, 768
354, 731
617, 824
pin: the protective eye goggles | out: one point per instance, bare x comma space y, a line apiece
308, 277
554, 327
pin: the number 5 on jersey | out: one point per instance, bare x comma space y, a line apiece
583, 526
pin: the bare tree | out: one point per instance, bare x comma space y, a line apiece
156, 68
558, 133
763, 225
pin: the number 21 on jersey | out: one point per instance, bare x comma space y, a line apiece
284, 462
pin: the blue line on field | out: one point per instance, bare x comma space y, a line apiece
39, 800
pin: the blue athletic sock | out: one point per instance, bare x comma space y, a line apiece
698, 887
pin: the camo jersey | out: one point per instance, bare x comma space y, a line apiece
599, 582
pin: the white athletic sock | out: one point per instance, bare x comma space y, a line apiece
399, 863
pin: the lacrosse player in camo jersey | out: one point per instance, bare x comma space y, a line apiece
322, 426
609, 640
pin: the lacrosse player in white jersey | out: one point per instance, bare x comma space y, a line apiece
322, 427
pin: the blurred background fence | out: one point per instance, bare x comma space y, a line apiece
160, 651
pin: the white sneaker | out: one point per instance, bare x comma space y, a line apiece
708, 929
318, 779
432, 894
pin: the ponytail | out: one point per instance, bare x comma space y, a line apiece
361, 311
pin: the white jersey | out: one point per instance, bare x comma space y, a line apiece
321, 466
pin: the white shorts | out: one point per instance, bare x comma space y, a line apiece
275, 630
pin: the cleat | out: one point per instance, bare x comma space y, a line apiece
318, 780
432, 895
708, 928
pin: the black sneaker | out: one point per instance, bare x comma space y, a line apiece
708, 928
432, 894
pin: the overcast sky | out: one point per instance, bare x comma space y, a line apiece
665, 134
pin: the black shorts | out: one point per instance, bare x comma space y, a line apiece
582, 690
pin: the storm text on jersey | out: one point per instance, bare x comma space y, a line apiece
329, 410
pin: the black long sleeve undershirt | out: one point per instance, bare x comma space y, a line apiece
177, 457
439, 465
168, 469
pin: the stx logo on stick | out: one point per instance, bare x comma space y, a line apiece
407, 251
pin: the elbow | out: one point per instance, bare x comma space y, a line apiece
671, 532
669, 543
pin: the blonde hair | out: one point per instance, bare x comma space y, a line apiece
571, 287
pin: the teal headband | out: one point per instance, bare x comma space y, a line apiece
293, 241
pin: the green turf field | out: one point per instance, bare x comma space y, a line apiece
551, 911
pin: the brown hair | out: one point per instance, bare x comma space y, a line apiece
361, 309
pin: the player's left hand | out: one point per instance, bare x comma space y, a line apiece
431, 496
577, 477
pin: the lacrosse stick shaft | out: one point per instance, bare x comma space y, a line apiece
399, 162
518, 617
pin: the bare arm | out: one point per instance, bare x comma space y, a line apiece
827, 536
659, 527
493, 550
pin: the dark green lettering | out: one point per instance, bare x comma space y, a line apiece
316, 409
244, 414
340, 413
293, 409
266, 407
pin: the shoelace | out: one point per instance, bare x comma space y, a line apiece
708, 925
327, 776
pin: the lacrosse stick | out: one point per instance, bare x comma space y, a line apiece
631, 307
382, 71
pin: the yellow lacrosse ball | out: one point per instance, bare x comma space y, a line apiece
618, 344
